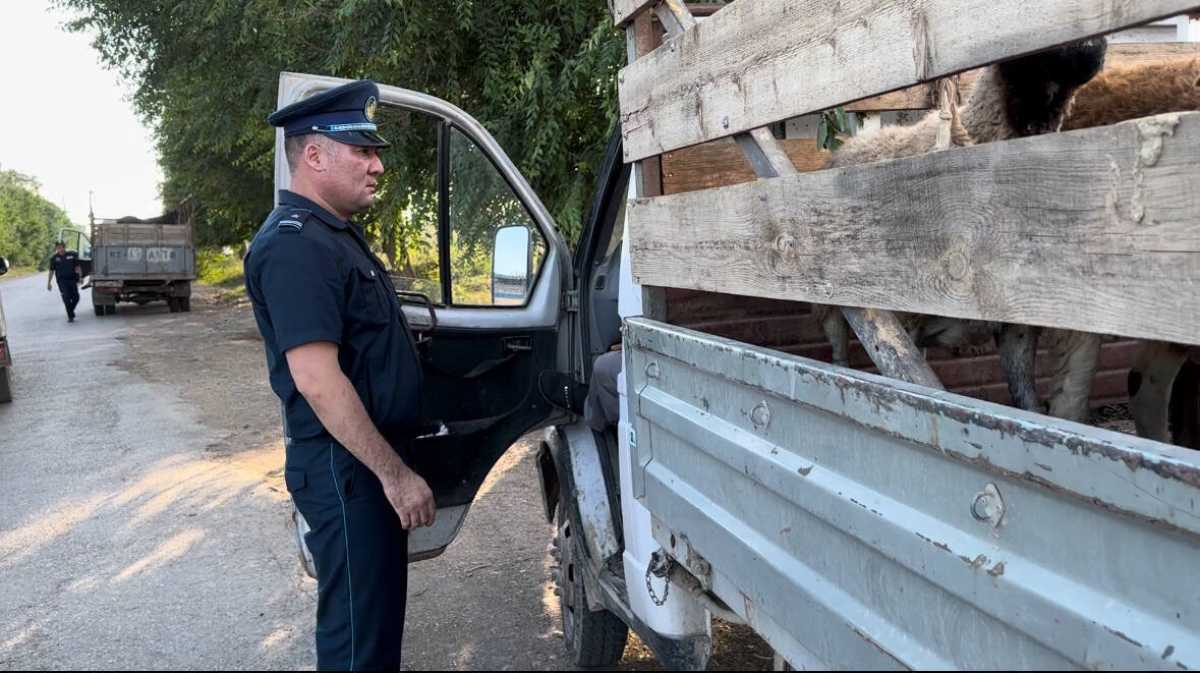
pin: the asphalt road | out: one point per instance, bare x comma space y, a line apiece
145, 524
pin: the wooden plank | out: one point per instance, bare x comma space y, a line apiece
625, 10
890, 347
1095, 230
761, 61
644, 37
880, 332
722, 163
919, 97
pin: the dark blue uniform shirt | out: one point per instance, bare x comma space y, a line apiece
311, 277
64, 267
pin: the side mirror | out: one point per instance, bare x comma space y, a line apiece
3, 266
512, 264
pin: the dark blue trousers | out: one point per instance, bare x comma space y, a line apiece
361, 554
70, 296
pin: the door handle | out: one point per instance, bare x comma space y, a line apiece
521, 344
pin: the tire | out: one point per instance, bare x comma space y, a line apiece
99, 308
5, 385
185, 304
594, 639
173, 304
110, 309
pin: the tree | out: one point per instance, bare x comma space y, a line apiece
539, 74
29, 223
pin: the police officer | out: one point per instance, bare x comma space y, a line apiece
344, 364
64, 267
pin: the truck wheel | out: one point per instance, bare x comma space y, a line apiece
5, 385
185, 304
99, 308
595, 639
173, 304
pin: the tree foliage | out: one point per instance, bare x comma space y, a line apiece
29, 223
539, 74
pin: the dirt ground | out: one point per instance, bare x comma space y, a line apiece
492, 589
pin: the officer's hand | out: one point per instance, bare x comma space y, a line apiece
412, 499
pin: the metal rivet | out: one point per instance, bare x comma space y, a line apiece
988, 506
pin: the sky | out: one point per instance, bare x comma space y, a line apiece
66, 120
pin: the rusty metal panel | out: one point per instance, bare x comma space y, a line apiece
858, 522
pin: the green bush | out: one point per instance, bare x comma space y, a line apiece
214, 266
29, 223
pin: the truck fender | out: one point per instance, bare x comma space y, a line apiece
569, 464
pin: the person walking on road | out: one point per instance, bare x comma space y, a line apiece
344, 364
64, 267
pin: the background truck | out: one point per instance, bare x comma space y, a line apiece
142, 260
853, 520
5, 353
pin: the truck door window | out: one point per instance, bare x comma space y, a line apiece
492, 262
404, 221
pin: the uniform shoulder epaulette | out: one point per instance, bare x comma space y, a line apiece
293, 220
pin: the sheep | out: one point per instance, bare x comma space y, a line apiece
1137, 90
1022, 97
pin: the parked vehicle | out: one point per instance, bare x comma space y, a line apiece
852, 520
140, 261
5, 353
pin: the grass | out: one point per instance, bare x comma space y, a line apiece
221, 270
21, 272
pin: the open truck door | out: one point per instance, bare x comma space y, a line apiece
79, 242
482, 275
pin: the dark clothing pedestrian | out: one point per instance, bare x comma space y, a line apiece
65, 267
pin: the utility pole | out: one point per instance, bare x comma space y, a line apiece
91, 213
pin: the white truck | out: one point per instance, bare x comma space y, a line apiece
852, 520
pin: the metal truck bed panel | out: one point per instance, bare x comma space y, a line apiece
122, 233
139, 251
124, 262
861, 522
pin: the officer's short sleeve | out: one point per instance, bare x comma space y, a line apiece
302, 288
